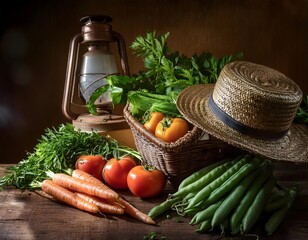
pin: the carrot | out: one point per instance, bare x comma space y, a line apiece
135, 213
79, 185
87, 177
103, 206
128, 208
67, 196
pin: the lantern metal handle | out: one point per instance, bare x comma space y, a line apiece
122, 51
70, 82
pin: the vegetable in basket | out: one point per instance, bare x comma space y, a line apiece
166, 72
144, 103
171, 129
154, 119
166, 128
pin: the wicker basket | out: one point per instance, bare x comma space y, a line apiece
181, 158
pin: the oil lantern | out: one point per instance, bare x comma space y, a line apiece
90, 60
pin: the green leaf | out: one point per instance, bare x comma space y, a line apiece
97, 93
117, 95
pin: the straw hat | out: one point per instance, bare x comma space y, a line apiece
251, 107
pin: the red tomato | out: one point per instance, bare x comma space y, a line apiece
115, 172
151, 124
92, 164
146, 182
171, 129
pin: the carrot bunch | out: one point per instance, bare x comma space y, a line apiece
87, 193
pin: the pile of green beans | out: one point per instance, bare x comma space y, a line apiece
231, 195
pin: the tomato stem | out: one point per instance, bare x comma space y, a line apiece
148, 167
166, 122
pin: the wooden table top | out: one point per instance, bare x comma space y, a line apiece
28, 215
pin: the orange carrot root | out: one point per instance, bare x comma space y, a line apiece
135, 213
128, 208
68, 197
89, 178
86, 177
103, 206
78, 185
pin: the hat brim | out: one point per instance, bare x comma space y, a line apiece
192, 102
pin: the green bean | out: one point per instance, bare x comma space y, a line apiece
163, 207
256, 208
240, 210
277, 217
233, 198
189, 196
193, 211
232, 182
278, 203
202, 172
182, 203
204, 227
208, 178
277, 195
207, 190
206, 214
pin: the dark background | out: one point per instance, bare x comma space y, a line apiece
35, 37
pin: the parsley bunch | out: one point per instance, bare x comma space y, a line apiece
165, 73
57, 151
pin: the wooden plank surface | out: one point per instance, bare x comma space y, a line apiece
28, 215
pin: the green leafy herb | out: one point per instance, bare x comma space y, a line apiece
165, 69
165, 73
302, 113
144, 102
57, 151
